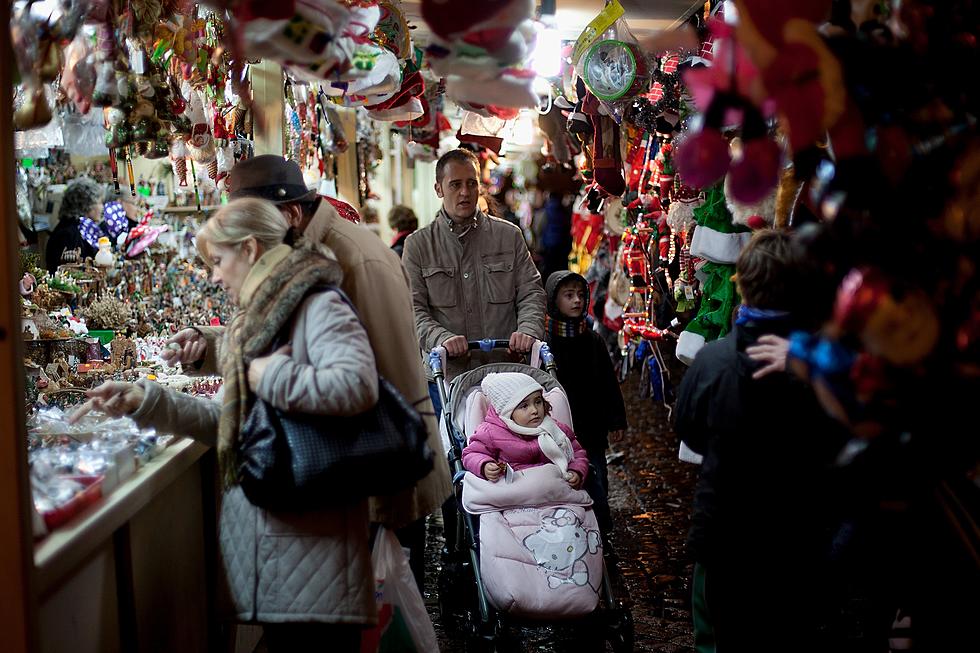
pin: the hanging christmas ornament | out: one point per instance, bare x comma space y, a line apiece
899, 325
178, 159
129, 172
615, 69
114, 166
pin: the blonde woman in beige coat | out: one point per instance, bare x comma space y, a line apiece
376, 283
305, 576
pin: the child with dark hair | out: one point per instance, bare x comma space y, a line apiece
760, 522
586, 372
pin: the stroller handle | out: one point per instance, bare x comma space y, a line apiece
540, 354
487, 344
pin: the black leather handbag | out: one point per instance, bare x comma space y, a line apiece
295, 461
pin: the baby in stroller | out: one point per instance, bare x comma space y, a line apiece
539, 545
518, 432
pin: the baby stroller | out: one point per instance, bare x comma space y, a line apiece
548, 547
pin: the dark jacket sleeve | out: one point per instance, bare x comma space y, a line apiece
690, 412
614, 405
62, 240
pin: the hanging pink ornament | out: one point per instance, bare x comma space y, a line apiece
753, 177
702, 158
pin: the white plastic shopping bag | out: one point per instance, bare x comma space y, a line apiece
403, 624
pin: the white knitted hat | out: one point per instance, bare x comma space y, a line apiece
505, 390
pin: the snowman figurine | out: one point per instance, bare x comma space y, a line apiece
104, 258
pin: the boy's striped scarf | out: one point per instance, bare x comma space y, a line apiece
564, 328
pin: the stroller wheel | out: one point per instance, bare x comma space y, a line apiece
450, 579
489, 637
619, 629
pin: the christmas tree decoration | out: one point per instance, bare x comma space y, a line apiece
716, 237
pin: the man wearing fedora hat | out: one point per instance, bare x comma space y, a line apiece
377, 285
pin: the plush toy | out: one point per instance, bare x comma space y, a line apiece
760, 215
680, 214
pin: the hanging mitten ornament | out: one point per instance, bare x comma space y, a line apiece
178, 159
554, 126
200, 146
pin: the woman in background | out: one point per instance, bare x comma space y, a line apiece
76, 237
403, 222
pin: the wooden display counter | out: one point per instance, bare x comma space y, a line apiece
131, 572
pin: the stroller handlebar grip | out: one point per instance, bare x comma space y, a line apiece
547, 358
435, 359
487, 344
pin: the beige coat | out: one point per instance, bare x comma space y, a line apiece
376, 284
483, 285
303, 567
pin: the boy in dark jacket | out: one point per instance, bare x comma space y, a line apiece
760, 524
586, 372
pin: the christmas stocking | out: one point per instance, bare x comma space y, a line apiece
606, 162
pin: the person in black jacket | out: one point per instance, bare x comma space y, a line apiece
586, 372
760, 526
78, 226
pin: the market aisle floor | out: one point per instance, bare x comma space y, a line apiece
650, 497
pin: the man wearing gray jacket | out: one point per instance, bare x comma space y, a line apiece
471, 274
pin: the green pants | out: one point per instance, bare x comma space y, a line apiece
704, 632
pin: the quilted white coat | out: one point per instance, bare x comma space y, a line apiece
313, 566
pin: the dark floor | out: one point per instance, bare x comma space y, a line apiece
650, 495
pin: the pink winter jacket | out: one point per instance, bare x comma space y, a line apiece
493, 441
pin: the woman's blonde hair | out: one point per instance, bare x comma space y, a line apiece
240, 220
